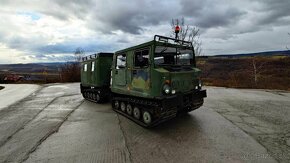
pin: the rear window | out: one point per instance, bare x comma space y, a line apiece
93, 66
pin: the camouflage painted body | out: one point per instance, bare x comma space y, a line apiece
148, 82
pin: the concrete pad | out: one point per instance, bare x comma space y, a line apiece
15, 92
91, 134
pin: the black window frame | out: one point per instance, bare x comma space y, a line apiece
134, 58
116, 62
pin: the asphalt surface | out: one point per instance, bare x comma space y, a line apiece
55, 124
18, 91
264, 115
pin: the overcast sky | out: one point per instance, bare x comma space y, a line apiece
50, 30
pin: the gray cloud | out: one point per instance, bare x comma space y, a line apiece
98, 25
274, 11
130, 16
210, 14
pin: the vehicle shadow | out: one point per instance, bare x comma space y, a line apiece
181, 121
181, 126
180, 138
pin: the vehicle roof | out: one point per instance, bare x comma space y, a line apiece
96, 55
149, 43
136, 46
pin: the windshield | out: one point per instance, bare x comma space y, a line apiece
173, 56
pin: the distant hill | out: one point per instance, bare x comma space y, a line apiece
54, 66
267, 53
31, 67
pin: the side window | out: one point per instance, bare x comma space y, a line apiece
85, 67
141, 58
121, 61
93, 66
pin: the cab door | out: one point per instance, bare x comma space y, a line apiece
140, 71
120, 69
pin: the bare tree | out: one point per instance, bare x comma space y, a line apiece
257, 69
79, 54
70, 71
188, 33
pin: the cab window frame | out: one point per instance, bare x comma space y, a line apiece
134, 58
116, 62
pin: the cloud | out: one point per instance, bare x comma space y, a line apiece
274, 11
70, 47
210, 14
47, 30
130, 16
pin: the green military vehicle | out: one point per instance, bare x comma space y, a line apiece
95, 76
150, 83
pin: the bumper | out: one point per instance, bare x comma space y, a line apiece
172, 104
200, 94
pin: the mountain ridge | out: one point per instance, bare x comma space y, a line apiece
265, 53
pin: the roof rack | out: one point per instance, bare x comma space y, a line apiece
172, 40
92, 56
96, 55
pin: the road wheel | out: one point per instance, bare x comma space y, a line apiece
136, 113
129, 109
94, 96
98, 98
86, 95
147, 117
123, 106
116, 104
90, 95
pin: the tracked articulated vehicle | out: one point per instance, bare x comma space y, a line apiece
148, 83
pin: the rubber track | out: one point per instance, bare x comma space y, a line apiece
156, 122
143, 103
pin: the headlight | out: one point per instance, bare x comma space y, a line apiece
173, 91
199, 84
166, 89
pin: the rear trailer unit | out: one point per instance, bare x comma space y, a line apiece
95, 76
